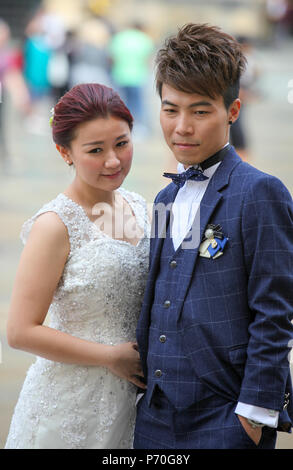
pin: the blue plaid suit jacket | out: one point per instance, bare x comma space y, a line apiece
235, 311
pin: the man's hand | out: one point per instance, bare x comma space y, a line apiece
253, 433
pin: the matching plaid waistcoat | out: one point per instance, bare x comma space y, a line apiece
168, 367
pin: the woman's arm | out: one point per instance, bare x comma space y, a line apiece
40, 269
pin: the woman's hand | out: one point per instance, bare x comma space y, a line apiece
124, 361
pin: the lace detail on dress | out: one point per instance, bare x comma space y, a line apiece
71, 216
98, 298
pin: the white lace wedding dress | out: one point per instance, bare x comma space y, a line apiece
98, 298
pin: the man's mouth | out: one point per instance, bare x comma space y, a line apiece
185, 145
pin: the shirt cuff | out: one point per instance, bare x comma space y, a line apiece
138, 398
263, 415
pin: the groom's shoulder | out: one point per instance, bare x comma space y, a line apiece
250, 178
248, 173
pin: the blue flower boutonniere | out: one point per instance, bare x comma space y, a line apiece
213, 243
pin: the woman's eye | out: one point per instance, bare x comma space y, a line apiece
122, 143
96, 150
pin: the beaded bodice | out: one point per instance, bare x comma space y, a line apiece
100, 292
98, 299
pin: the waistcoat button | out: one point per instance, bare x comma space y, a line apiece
163, 338
173, 264
167, 303
158, 373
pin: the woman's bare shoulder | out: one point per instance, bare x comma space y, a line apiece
48, 228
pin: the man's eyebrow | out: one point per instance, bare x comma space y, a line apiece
100, 142
192, 105
169, 103
200, 103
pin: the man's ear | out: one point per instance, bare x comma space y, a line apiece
65, 154
234, 110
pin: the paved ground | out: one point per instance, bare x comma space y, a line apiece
36, 175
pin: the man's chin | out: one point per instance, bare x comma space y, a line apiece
185, 163
188, 160
196, 160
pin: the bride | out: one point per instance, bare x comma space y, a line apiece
85, 263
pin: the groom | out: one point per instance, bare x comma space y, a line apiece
215, 326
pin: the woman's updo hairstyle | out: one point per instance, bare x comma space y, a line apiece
83, 103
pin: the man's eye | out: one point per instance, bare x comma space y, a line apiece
169, 110
201, 112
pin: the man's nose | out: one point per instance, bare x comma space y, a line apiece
184, 125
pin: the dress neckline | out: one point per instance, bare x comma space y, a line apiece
129, 202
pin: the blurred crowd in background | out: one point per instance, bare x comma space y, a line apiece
48, 46
49, 56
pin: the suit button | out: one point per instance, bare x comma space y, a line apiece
167, 303
163, 338
173, 264
158, 373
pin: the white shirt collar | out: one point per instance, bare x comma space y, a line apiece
181, 169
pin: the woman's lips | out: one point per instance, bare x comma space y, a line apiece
114, 175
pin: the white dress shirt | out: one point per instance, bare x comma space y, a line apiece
184, 210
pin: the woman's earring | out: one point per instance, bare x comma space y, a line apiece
230, 122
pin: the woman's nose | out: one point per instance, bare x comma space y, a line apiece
112, 161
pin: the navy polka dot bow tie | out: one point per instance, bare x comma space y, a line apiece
196, 174
190, 174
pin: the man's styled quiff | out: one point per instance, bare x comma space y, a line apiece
201, 59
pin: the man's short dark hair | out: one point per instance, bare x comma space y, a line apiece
201, 59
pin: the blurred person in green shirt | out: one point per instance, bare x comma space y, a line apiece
131, 50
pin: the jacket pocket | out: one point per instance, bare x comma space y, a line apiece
238, 354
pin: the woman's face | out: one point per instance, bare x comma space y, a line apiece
101, 152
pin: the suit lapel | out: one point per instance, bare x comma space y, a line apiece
161, 217
159, 227
210, 201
